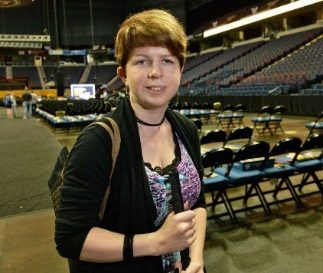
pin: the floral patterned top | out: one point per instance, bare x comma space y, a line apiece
161, 190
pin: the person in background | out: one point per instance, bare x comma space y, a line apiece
27, 103
8, 102
13, 105
140, 231
34, 100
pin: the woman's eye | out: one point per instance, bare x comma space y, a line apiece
141, 62
168, 61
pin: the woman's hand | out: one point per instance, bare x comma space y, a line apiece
177, 233
194, 267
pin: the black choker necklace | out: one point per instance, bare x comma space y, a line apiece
150, 124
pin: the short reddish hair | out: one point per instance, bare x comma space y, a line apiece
153, 27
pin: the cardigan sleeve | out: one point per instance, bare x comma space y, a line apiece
200, 203
188, 132
85, 182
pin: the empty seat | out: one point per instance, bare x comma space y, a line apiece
279, 164
261, 122
309, 160
245, 169
276, 119
238, 137
316, 125
224, 118
238, 115
215, 183
212, 139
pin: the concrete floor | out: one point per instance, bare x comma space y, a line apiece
291, 241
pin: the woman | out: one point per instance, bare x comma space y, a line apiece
140, 231
10, 104
13, 106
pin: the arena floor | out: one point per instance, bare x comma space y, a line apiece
291, 241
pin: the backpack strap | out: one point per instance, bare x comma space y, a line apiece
115, 139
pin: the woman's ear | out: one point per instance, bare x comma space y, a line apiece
122, 74
182, 69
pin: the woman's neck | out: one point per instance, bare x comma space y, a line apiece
149, 117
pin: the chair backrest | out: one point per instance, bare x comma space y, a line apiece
287, 145
198, 123
240, 133
214, 136
284, 147
279, 110
265, 110
320, 116
217, 157
228, 107
240, 108
314, 141
252, 150
316, 122
311, 148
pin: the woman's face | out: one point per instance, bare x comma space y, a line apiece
153, 76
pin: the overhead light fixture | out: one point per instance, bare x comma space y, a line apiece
260, 16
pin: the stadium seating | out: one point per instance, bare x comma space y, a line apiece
29, 72
102, 74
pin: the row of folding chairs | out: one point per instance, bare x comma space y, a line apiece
234, 139
256, 163
231, 116
269, 119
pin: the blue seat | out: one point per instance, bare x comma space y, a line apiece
283, 155
261, 122
224, 118
238, 115
309, 160
214, 183
316, 125
245, 169
276, 119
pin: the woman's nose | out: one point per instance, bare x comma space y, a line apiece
156, 71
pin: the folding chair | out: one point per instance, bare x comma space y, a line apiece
276, 119
261, 122
279, 164
316, 125
245, 170
238, 137
198, 124
238, 115
224, 118
217, 183
309, 161
212, 140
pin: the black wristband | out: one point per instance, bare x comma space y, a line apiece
128, 248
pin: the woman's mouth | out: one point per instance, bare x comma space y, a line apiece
155, 89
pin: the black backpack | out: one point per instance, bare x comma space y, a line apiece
56, 179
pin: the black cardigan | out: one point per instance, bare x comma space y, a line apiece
130, 208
